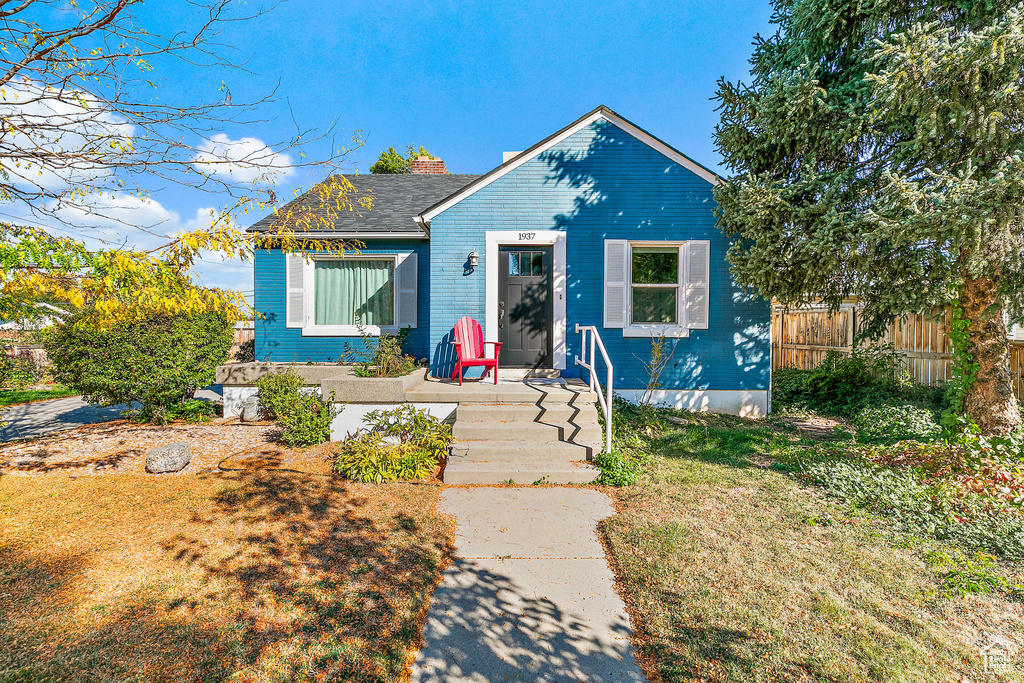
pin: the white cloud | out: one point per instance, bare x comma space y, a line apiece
216, 271
245, 160
54, 124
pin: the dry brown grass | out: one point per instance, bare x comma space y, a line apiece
254, 575
734, 572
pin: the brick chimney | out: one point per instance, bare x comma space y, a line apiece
427, 165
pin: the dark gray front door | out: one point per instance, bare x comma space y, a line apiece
524, 306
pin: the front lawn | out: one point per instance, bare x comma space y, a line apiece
13, 397
247, 576
736, 568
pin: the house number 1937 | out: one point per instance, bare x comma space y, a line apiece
527, 235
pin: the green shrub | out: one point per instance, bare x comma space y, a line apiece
381, 356
304, 417
193, 410
197, 410
789, 388
158, 361
973, 522
633, 427
889, 423
617, 469
966, 574
368, 458
408, 424
17, 373
402, 443
307, 422
844, 384
277, 392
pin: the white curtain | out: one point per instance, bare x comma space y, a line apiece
356, 289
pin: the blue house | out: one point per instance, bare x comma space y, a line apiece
600, 224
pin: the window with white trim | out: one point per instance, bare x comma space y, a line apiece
655, 285
354, 291
351, 295
655, 288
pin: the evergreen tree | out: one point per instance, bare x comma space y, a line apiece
879, 152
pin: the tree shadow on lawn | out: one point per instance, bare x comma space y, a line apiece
37, 463
280, 576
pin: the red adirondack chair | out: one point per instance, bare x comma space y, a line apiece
469, 344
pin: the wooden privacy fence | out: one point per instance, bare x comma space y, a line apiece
243, 332
802, 338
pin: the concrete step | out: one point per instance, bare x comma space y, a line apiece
524, 469
513, 450
577, 432
554, 413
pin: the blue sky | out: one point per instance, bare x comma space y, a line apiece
467, 80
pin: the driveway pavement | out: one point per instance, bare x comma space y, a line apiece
530, 596
31, 420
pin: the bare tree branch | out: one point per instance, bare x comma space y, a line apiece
77, 119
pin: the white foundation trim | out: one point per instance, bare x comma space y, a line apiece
502, 238
740, 402
234, 397
351, 418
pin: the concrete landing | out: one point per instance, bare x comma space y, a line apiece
538, 391
530, 596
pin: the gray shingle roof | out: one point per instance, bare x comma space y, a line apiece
397, 200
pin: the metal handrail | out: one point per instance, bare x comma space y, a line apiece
606, 402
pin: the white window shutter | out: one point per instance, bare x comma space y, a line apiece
698, 282
295, 300
406, 291
616, 283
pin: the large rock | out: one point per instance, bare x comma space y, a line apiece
250, 410
170, 458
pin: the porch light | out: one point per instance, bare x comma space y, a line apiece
474, 259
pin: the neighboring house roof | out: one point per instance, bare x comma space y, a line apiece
602, 112
397, 200
39, 322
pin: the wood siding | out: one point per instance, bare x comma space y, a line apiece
802, 338
601, 184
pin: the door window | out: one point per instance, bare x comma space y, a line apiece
525, 263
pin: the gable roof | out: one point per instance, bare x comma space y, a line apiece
602, 112
397, 200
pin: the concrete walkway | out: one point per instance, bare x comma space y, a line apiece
31, 420
530, 596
